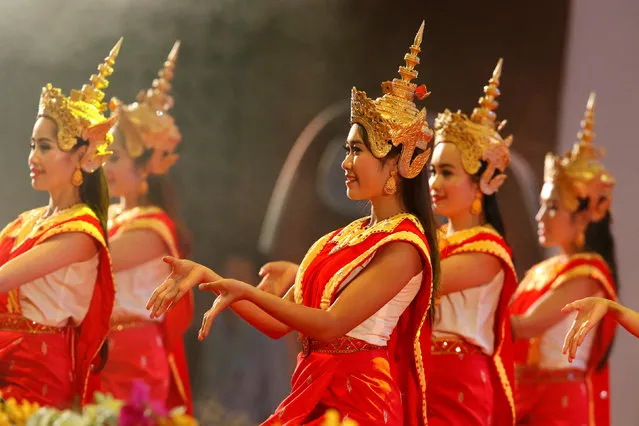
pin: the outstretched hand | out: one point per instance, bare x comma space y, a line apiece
277, 277
185, 274
228, 291
590, 311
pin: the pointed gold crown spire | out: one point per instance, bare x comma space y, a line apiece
478, 138
485, 113
158, 96
92, 93
394, 119
580, 174
147, 125
80, 116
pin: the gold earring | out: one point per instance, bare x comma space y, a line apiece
580, 242
144, 187
77, 178
476, 207
390, 187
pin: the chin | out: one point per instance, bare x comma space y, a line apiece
543, 241
354, 195
440, 211
37, 185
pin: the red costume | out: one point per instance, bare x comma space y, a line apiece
41, 363
158, 344
561, 396
361, 381
466, 386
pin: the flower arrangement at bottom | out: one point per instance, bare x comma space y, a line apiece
107, 411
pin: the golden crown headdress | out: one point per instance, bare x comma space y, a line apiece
147, 125
394, 119
478, 138
579, 174
81, 115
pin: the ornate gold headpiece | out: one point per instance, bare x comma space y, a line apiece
81, 115
579, 174
394, 119
147, 125
477, 137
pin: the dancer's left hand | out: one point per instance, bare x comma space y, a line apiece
228, 291
590, 311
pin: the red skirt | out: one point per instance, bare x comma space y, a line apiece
136, 352
38, 367
460, 388
358, 385
551, 397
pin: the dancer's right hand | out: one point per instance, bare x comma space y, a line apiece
185, 274
277, 277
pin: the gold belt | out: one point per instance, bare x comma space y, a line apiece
524, 374
14, 322
136, 323
447, 345
341, 345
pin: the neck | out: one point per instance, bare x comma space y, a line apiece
63, 198
127, 202
464, 221
569, 249
384, 207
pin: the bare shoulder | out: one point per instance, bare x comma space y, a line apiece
78, 245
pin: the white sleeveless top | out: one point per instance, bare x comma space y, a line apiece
134, 287
377, 329
62, 297
552, 341
470, 314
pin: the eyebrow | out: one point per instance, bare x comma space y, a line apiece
444, 166
43, 139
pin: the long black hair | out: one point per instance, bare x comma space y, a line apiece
94, 192
489, 204
415, 195
161, 194
599, 239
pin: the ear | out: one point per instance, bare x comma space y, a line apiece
583, 219
80, 153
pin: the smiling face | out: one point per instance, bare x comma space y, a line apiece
452, 190
366, 175
50, 168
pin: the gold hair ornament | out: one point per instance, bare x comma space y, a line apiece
81, 115
580, 174
147, 124
478, 138
394, 119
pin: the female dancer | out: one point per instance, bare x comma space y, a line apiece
56, 288
354, 302
575, 217
152, 350
471, 375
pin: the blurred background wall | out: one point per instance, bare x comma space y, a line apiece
262, 92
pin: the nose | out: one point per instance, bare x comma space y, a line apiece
347, 164
434, 181
32, 160
540, 214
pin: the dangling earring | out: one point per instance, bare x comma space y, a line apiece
77, 178
390, 187
580, 242
476, 207
144, 187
